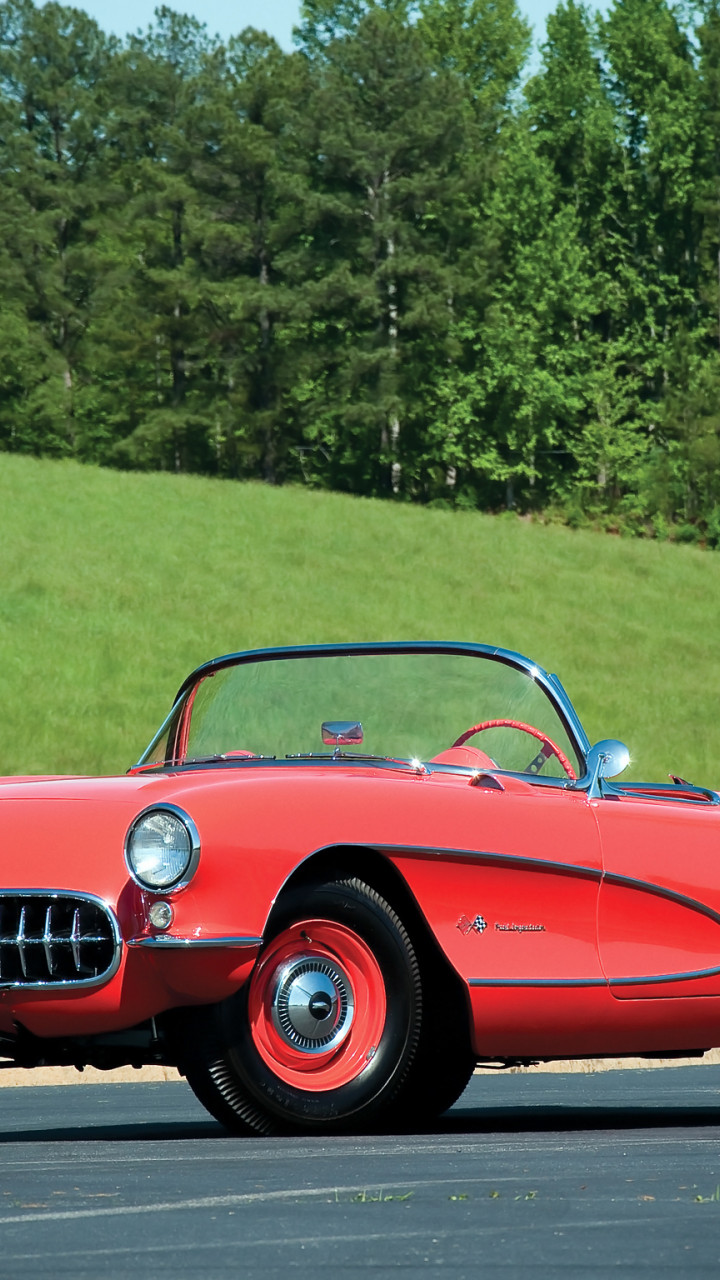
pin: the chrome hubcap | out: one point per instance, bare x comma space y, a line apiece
312, 1004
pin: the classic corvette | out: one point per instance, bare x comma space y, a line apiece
342, 876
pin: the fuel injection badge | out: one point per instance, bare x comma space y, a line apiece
519, 928
479, 925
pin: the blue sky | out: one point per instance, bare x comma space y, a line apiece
228, 17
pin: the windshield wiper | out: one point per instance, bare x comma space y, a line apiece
413, 766
332, 755
229, 757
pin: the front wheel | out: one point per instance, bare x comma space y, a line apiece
324, 1034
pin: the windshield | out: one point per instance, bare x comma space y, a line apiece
411, 706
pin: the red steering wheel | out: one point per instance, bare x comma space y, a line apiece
549, 748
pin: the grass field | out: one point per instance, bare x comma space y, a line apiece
113, 586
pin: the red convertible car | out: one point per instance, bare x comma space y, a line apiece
342, 876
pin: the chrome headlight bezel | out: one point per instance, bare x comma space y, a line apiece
183, 878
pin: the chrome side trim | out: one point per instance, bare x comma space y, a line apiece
166, 942
585, 873
647, 980
521, 863
659, 891
655, 979
518, 861
537, 982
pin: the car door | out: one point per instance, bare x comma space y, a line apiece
659, 909
508, 874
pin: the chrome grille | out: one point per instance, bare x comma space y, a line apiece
56, 939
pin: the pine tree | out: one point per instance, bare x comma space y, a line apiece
53, 64
151, 355
382, 252
252, 180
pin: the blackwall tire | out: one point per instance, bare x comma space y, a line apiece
444, 1060
325, 1032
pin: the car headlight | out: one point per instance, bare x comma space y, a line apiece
162, 848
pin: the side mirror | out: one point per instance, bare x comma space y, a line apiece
606, 759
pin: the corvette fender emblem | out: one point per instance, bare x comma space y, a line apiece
465, 925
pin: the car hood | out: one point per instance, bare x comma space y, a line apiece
68, 833
75, 787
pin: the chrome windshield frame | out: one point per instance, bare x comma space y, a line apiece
550, 684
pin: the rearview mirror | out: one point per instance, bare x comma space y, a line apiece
342, 733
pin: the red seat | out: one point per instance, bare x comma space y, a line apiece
465, 757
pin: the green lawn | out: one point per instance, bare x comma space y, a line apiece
113, 586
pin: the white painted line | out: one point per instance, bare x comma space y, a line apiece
225, 1202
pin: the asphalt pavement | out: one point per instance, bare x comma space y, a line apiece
610, 1174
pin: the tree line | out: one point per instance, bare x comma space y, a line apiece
410, 258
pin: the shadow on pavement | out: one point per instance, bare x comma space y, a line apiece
461, 1121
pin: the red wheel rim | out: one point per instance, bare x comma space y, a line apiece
283, 1003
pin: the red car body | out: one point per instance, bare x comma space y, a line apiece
355, 930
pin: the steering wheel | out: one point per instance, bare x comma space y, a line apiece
549, 748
